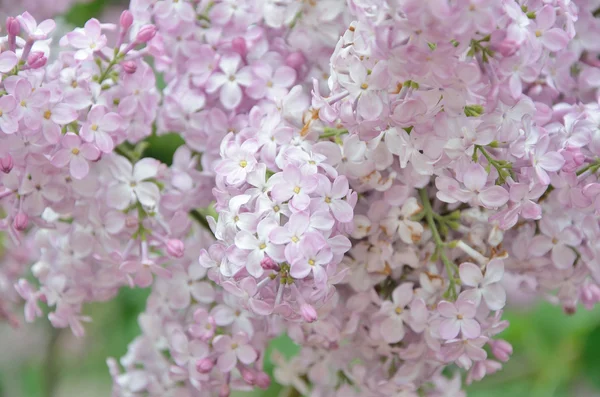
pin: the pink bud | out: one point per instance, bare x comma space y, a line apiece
295, 60
248, 376
574, 158
239, 45
175, 248
12, 26
501, 349
129, 67
6, 163
506, 47
36, 60
146, 33
131, 221
204, 365
269, 264
262, 380
590, 295
126, 20
21, 221
225, 391
309, 314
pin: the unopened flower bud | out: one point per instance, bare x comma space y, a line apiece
131, 221
295, 60
309, 314
204, 365
175, 248
262, 380
269, 264
36, 60
590, 295
12, 26
21, 221
239, 45
146, 33
225, 391
126, 20
248, 376
6, 163
501, 349
129, 67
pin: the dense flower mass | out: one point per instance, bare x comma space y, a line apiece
371, 177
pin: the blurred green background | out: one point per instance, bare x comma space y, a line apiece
555, 355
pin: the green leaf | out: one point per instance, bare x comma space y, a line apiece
591, 357
80, 13
162, 147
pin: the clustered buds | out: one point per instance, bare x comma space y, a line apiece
373, 189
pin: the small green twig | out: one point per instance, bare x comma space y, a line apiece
440, 246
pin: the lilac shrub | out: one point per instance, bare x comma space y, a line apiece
369, 177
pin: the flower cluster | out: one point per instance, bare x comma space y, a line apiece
374, 178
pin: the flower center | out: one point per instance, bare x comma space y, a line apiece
297, 189
234, 346
47, 114
232, 78
328, 200
311, 262
243, 163
23, 103
262, 246
364, 86
538, 33
94, 127
75, 151
398, 310
459, 316
276, 208
295, 239
269, 84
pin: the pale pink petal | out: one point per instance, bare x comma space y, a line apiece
449, 328
79, 167
246, 354
470, 328
470, 274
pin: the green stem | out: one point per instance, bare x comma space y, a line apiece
440, 246
332, 132
125, 152
106, 71
51, 366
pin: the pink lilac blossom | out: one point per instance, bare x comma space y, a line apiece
370, 177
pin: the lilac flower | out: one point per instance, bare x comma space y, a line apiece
558, 237
76, 154
232, 349
132, 183
487, 287
392, 327
333, 196
99, 126
259, 245
87, 40
230, 80
292, 185
458, 317
314, 257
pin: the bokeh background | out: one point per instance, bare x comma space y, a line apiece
555, 355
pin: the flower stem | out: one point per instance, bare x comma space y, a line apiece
440, 246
